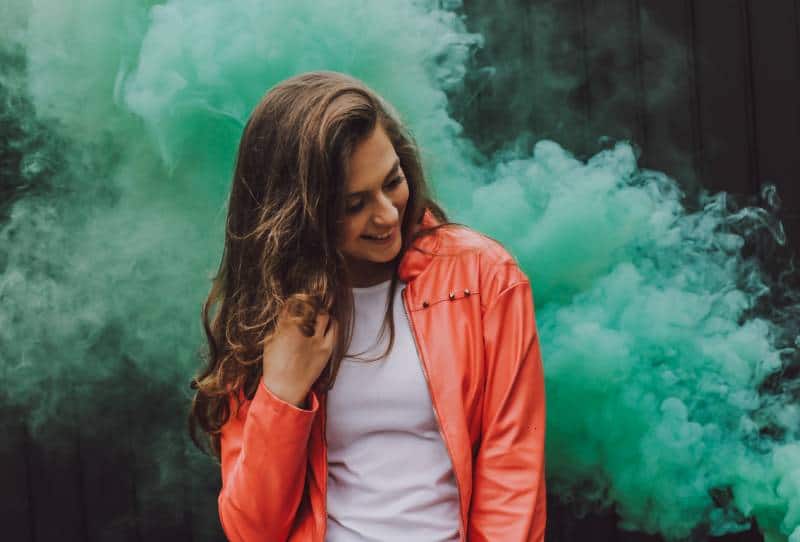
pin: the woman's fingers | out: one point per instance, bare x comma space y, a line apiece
330, 337
332, 327
328, 327
321, 327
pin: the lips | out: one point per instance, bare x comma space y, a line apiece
383, 237
378, 237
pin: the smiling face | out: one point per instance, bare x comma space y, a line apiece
376, 196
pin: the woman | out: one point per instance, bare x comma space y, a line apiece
332, 238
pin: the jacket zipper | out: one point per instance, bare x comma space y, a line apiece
461, 530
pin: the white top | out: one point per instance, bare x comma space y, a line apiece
389, 475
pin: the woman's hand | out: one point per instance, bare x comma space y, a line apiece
295, 355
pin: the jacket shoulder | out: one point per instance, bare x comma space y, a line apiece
497, 269
458, 239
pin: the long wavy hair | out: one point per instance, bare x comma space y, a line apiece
285, 206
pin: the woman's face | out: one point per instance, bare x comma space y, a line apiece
376, 194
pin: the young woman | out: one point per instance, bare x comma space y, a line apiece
435, 432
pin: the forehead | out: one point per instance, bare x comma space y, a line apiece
371, 160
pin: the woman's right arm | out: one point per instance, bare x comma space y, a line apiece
264, 447
264, 455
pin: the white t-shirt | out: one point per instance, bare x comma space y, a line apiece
389, 475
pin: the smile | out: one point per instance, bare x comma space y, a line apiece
385, 237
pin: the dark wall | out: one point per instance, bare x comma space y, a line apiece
708, 89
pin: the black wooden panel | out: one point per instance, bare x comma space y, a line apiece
203, 482
533, 57
614, 87
566, 524
108, 470
153, 441
708, 89
776, 92
56, 479
162, 503
671, 141
722, 81
15, 508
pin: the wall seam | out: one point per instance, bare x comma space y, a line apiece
754, 173
698, 149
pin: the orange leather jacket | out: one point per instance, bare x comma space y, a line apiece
472, 316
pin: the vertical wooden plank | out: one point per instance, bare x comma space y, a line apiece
776, 95
635, 10
156, 416
533, 81
614, 82
107, 470
558, 73
793, 221
749, 89
106, 454
584, 90
55, 473
15, 503
670, 104
721, 78
566, 523
204, 484
56, 487
480, 108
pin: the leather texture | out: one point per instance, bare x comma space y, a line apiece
472, 317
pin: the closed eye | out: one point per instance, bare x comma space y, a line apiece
355, 208
391, 185
395, 182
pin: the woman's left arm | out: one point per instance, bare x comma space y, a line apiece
508, 498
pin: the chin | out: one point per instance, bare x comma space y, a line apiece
384, 256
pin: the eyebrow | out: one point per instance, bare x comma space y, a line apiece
392, 171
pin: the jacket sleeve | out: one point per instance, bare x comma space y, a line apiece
509, 498
264, 453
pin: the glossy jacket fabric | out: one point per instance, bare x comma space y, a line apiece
472, 317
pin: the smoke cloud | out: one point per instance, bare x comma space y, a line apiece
670, 353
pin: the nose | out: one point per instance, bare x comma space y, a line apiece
386, 214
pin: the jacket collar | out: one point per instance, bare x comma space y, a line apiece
416, 258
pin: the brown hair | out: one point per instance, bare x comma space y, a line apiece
286, 199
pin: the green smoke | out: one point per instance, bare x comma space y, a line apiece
653, 364
121, 120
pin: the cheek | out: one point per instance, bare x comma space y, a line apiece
350, 232
402, 196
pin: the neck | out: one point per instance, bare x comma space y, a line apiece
364, 274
